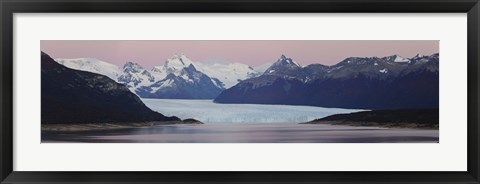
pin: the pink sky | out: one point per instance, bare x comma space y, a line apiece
251, 52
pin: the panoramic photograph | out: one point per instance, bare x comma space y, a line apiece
239, 91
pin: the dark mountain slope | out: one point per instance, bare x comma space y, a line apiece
72, 96
363, 83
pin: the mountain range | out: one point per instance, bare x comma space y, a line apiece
71, 96
389, 82
178, 78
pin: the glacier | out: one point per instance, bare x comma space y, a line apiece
209, 112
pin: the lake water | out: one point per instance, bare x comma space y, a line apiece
208, 112
251, 133
245, 123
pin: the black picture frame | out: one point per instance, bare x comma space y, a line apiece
9, 7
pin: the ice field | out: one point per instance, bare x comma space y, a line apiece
208, 112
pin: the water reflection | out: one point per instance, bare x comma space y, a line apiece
251, 133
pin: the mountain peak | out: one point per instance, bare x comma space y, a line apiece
401, 59
397, 59
285, 61
283, 66
131, 66
178, 61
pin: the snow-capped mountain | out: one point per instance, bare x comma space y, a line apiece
229, 74
178, 78
397, 59
177, 63
162, 79
92, 65
284, 67
188, 83
356, 82
284, 61
135, 76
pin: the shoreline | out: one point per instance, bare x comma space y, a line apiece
57, 128
399, 118
107, 126
259, 133
420, 119
372, 124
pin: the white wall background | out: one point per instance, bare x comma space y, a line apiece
449, 155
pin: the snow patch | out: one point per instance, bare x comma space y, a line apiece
228, 74
399, 59
92, 65
167, 83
